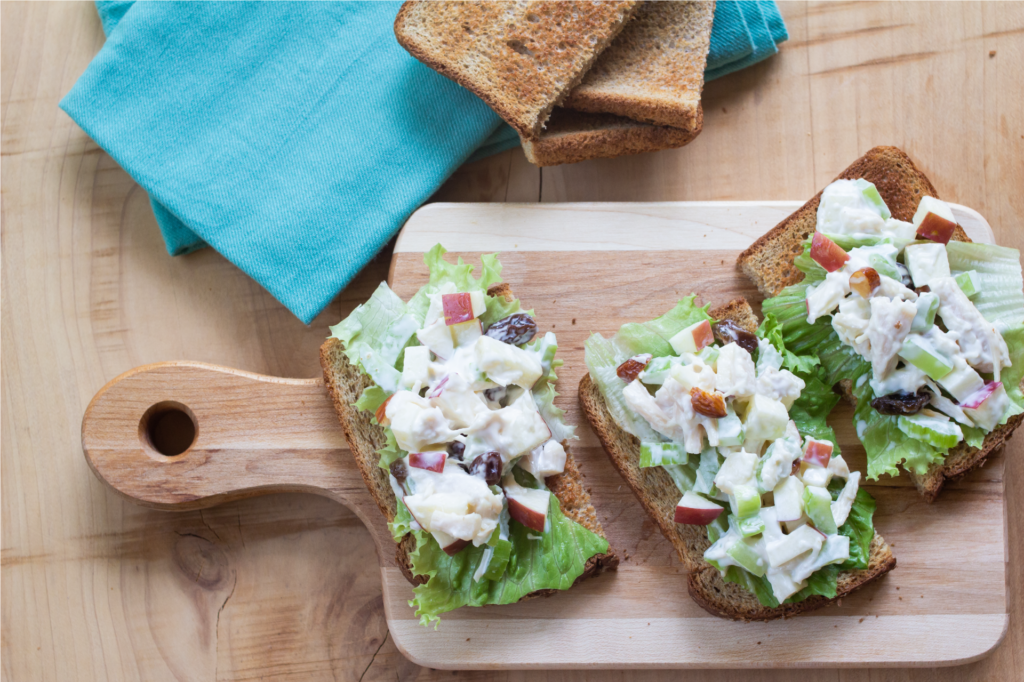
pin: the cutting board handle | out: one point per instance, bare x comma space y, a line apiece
187, 435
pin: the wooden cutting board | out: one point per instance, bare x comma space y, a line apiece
584, 268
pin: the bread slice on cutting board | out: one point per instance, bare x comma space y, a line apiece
521, 58
653, 72
573, 136
769, 264
659, 495
346, 382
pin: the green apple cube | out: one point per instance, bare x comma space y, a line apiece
926, 262
927, 305
745, 556
969, 283
730, 431
501, 551
746, 501
818, 506
962, 382
748, 527
659, 454
870, 193
938, 430
920, 353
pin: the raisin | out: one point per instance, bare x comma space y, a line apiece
399, 471
630, 369
865, 281
901, 402
489, 466
456, 449
728, 331
514, 330
495, 394
708, 404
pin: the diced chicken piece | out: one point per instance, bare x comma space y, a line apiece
851, 323
889, 326
779, 462
890, 288
544, 460
824, 297
983, 346
696, 374
416, 423
737, 375
782, 385
837, 467
841, 507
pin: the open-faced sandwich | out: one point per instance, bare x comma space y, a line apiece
720, 432
921, 328
447, 402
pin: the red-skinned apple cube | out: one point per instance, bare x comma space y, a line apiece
455, 547
381, 413
818, 453
528, 506
975, 400
694, 338
431, 461
827, 253
695, 510
457, 308
438, 388
936, 228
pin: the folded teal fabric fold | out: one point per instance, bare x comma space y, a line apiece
296, 138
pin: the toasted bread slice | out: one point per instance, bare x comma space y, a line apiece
769, 264
654, 70
521, 58
346, 382
573, 136
659, 495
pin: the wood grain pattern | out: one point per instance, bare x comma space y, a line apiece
259, 435
97, 588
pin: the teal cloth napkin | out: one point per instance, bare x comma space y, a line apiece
296, 138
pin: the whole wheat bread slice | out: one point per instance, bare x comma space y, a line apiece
573, 136
521, 58
346, 382
769, 264
659, 495
654, 70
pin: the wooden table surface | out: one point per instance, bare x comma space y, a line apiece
287, 587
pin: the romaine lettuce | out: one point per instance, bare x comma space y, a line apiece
550, 561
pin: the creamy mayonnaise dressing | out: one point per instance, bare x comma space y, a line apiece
463, 397
891, 327
764, 457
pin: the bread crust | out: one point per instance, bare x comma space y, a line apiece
574, 136
520, 58
658, 495
345, 383
769, 265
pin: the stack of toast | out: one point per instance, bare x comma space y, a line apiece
576, 80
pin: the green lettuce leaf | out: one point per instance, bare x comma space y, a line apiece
1011, 376
859, 526
552, 562
402, 524
771, 331
812, 407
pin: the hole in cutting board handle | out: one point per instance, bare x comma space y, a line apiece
168, 429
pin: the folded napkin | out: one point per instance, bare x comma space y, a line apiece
297, 138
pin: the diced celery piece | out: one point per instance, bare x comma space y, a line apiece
917, 351
499, 559
969, 283
659, 454
745, 556
658, 370
709, 354
750, 526
730, 430
939, 431
884, 266
818, 506
927, 305
871, 194
747, 501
